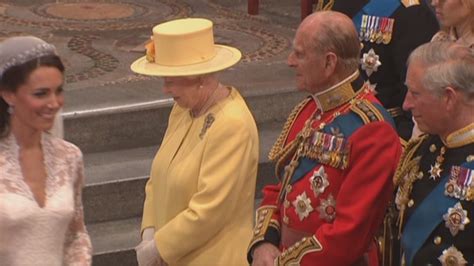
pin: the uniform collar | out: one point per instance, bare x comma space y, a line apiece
336, 95
461, 137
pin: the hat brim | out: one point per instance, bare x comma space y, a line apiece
225, 57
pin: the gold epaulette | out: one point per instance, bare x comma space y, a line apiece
294, 254
278, 150
263, 220
366, 111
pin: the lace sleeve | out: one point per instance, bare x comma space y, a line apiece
78, 248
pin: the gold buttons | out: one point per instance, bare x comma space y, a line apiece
286, 203
432, 148
411, 203
437, 240
286, 220
420, 175
288, 188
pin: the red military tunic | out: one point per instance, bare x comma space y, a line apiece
335, 159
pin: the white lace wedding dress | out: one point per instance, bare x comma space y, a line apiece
51, 235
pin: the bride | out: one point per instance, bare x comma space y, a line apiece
41, 176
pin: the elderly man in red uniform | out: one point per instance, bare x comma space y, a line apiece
335, 158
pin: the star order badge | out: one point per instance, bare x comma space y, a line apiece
302, 206
327, 209
370, 62
319, 181
455, 219
452, 256
435, 171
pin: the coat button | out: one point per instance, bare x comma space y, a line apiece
411, 203
437, 240
286, 220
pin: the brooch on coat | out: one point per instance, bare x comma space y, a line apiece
207, 124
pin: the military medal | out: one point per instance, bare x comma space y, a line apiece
319, 181
435, 170
387, 35
452, 257
460, 184
302, 206
375, 29
371, 31
363, 27
380, 30
327, 209
456, 219
370, 62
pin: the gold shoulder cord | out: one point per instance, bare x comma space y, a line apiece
277, 150
410, 149
406, 174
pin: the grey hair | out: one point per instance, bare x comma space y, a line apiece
446, 64
339, 39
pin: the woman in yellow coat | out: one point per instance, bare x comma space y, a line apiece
200, 196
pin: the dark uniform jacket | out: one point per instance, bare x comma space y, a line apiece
435, 199
335, 158
389, 30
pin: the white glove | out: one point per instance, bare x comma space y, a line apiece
148, 234
147, 254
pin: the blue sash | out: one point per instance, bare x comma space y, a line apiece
426, 218
304, 167
383, 8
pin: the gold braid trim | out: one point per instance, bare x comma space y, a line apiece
278, 149
263, 219
367, 111
406, 174
404, 143
410, 149
294, 254
329, 5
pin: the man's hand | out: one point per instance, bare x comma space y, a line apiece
265, 255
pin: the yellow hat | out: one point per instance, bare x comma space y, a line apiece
185, 47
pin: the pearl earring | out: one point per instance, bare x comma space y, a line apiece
10, 109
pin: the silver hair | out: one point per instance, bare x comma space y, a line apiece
341, 40
447, 64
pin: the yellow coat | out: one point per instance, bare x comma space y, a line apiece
200, 195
